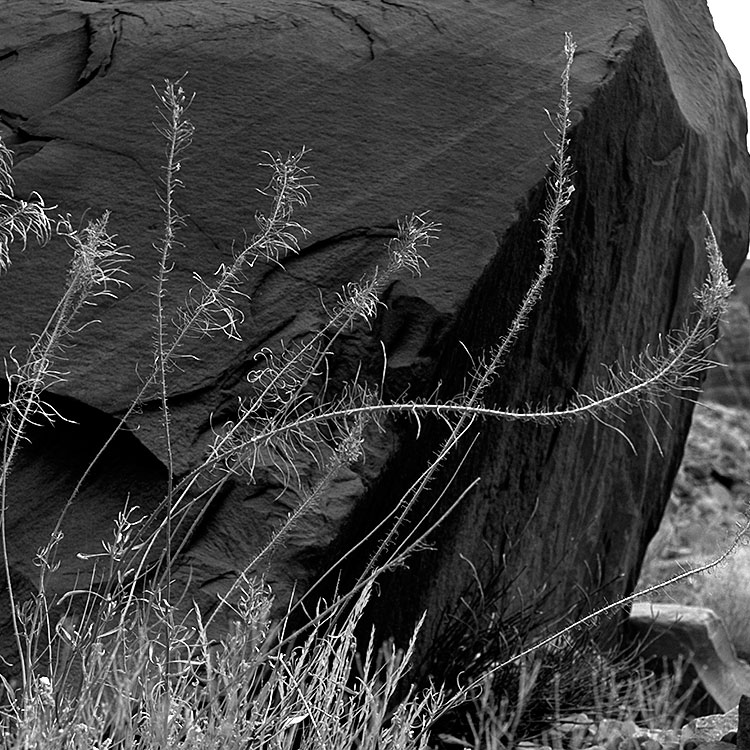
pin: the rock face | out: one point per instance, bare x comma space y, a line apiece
708, 728
406, 106
699, 636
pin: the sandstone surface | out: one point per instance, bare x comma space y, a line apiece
708, 728
407, 106
698, 635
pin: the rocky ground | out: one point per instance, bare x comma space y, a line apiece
709, 500
711, 494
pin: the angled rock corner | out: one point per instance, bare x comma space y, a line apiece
435, 106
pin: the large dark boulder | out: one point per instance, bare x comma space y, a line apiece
406, 107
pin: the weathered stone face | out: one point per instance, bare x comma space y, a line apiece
435, 106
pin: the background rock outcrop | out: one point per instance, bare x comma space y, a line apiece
407, 107
730, 384
697, 635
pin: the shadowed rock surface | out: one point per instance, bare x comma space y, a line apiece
406, 106
698, 635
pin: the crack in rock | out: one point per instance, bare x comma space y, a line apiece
8, 58
417, 11
386, 232
352, 19
103, 35
104, 31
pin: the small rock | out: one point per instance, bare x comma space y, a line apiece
707, 729
614, 732
575, 728
572, 722
613, 741
609, 734
669, 739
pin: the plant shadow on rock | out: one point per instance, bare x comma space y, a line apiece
46, 469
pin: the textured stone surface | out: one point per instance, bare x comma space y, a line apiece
710, 728
407, 106
697, 634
